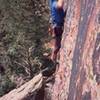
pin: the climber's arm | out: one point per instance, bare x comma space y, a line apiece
60, 4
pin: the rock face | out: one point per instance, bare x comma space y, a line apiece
78, 76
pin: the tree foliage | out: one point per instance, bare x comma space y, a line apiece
23, 31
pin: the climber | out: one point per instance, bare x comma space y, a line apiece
56, 25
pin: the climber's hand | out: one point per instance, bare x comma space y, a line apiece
50, 31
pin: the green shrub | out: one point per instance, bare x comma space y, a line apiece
6, 85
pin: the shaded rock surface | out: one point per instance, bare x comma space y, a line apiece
78, 77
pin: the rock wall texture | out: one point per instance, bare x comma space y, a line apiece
78, 76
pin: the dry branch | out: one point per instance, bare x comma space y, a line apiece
26, 90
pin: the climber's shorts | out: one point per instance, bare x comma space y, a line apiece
57, 36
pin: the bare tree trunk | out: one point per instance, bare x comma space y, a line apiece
28, 91
78, 77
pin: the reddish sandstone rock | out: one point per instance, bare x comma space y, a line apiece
78, 77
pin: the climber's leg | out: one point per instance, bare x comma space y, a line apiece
57, 42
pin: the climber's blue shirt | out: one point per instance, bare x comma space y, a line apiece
57, 15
